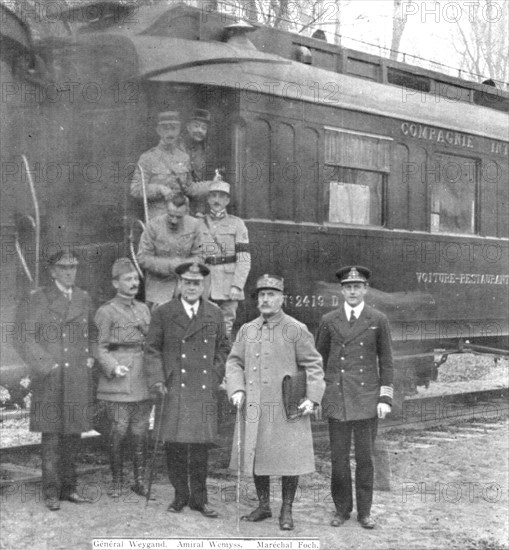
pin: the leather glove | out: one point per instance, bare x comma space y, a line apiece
383, 409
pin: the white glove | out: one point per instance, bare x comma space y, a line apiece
307, 407
238, 398
383, 409
121, 370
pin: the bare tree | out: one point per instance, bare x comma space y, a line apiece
481, 40
398, 26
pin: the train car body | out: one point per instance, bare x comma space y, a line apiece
336, 157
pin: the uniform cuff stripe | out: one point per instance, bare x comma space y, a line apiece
387, 391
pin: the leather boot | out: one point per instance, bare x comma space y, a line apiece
116, 464
139, 446
289, 489
262, 484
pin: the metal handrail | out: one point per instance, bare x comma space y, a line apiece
21, 256
37, 221
131, 249
144, 192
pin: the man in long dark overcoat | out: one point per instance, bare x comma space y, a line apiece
185, 353
58, 352
264, 352
355, 343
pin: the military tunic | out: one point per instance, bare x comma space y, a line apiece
163, 170
161, 250
122, 325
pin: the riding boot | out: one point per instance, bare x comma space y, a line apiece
262, 484
116, 464
289, 489
139, 449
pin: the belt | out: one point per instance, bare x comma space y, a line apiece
219, 260
128, 346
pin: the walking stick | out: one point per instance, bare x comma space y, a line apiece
144, 193
238, 467
156, 448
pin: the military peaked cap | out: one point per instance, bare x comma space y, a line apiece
353, 274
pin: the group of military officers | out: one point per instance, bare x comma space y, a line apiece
176, 350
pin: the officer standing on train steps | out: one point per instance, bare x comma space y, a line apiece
122, 325
226, 250
355, 343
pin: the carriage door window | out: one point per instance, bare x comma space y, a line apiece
356, 171
453, 194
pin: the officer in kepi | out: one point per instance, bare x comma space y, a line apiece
58, 352
226, 248
185, 356
122, 325
163, 170
355, 343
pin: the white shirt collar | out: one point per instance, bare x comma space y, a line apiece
357, 310
190, 308
63, 289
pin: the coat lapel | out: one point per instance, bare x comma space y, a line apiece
180, 317
360, 325
58, 303
202, 318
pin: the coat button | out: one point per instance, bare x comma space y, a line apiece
204, 387
64, 335
361, 344
337, 383
342, 358
254, 368
183, 385
65, 349
362, 383
183, 341
183, 356
66, 365
205, 357
257, 355
251, 382
342, 370
204, 372
361, 357
204, 341
183, 370
361, 370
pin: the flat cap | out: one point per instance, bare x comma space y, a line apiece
353, 274
192, 270
270, 282
63, 258
121, 266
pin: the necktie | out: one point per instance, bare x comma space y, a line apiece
193, 313
353, 318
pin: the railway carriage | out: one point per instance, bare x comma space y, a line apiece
335, 157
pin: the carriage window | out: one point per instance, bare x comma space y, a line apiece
453, 194
356, 173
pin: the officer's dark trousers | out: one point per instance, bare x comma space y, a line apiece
59, 454
187, 470
364, 433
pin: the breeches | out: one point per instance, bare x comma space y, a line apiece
125, 415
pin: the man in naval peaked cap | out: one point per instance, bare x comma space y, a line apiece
355, 343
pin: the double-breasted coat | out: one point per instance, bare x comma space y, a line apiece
357, 362
189, 357
262, 355
58, 333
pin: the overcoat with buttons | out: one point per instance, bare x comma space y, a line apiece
262, 355
58, 333
189, 357
357, 362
